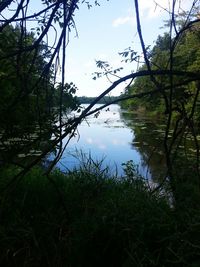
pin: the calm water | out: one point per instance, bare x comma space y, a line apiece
115, 136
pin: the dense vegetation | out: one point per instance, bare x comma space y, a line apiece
177, 104
89, 217
29, 96
18, 82
185, 57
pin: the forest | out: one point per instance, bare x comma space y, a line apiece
90, 216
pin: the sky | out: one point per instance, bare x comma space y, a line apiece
105, 31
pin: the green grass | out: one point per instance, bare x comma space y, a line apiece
88, 218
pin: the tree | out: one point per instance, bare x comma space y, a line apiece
177, 50
29, 92
166, 79
19, 79
27, 99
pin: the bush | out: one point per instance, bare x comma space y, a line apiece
87, 218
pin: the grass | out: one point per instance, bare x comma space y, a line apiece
88, 218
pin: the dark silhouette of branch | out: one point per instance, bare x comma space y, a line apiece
4, 4
68, 129
153, 79
34, 16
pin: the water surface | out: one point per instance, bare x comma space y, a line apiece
110, 137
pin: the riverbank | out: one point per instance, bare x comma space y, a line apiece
88, 218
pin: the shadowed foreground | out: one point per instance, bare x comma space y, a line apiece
86, 218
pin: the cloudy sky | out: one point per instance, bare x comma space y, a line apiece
105, 31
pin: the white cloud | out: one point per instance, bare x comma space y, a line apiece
154, 8
115, 142
89, 140
102, 146
123, 20
151, 9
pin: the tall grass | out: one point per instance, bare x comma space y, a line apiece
88, 218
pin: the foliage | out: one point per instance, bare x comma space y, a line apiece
185, 56
65, 95
21, 99
29, 97
177, 101
87, 219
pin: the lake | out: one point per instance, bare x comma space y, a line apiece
116, 136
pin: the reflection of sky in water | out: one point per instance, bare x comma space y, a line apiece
103, 137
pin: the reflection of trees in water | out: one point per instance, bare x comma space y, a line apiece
148, 140
21, 150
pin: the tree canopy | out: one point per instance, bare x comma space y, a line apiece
87, 217
167, 82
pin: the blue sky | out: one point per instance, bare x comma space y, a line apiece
103, 32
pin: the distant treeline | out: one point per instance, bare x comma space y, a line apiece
88, 100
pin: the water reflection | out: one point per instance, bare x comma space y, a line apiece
106, 136
117, 137
148, 141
